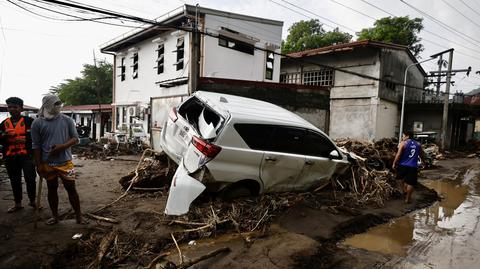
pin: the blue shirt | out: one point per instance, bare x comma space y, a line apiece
409, 157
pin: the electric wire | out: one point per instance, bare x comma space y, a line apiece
461, 13
471, 8
157, 24
316, 15
445, 26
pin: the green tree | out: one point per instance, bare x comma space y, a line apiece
304, 35
93, 87
397, 30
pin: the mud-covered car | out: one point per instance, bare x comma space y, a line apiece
240, 146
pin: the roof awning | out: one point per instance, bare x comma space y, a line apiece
172, 82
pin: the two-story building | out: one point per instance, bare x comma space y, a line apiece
162, 64
365, 80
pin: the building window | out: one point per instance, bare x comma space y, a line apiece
160, 58
237, 45
122, 69
323, 77
180, 53
291, 78
135, 65
269, 65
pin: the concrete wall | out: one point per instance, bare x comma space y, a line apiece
393, 66
221, 62
387, 119
352, 118
317, 117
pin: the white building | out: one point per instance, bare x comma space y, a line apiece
155, 67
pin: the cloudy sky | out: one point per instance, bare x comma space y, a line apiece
37, 53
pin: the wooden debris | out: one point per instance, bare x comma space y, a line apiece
109, 220
103, 249
203, 257
178, 248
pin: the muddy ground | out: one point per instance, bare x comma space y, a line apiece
304, 235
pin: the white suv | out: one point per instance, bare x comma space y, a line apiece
239, 145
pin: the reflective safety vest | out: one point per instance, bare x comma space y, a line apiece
16, 136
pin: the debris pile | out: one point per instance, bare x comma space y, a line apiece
100, 151
89, 151
369, 179
154, 172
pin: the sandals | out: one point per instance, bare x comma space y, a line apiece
14, 208
51, 221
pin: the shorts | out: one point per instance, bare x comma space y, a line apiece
64, 171
408, 174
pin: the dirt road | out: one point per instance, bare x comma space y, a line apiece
305, 235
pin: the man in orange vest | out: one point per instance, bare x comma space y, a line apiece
17, 151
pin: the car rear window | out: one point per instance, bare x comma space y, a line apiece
191, 110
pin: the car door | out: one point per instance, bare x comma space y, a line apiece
282, 163
319, 167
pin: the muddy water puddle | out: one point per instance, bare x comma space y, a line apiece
444, 235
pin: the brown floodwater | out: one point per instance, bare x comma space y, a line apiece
444, 235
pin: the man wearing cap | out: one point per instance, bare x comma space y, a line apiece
17, 151
53, 134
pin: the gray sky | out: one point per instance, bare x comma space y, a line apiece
37, 53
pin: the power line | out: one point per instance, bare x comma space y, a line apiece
354, 10
471, 8
445, 26
157, 24
461, 14
430, 32
60, 19
316, 15
300, 13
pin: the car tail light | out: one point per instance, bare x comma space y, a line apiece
173, 114
208, 149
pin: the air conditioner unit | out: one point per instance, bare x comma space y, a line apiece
133, 111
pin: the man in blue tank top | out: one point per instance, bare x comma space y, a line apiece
406, 163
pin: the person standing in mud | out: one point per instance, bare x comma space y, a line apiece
17, 151
52, 136
406, 163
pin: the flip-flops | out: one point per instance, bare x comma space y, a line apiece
51, 221
14, 209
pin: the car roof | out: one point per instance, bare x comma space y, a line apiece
252, 110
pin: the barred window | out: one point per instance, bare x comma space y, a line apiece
323, 77
291, 78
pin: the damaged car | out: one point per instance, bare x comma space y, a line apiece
239, 146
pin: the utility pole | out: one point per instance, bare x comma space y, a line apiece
194, 56
443, 135
440, 64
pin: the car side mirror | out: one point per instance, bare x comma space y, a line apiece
334, 155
